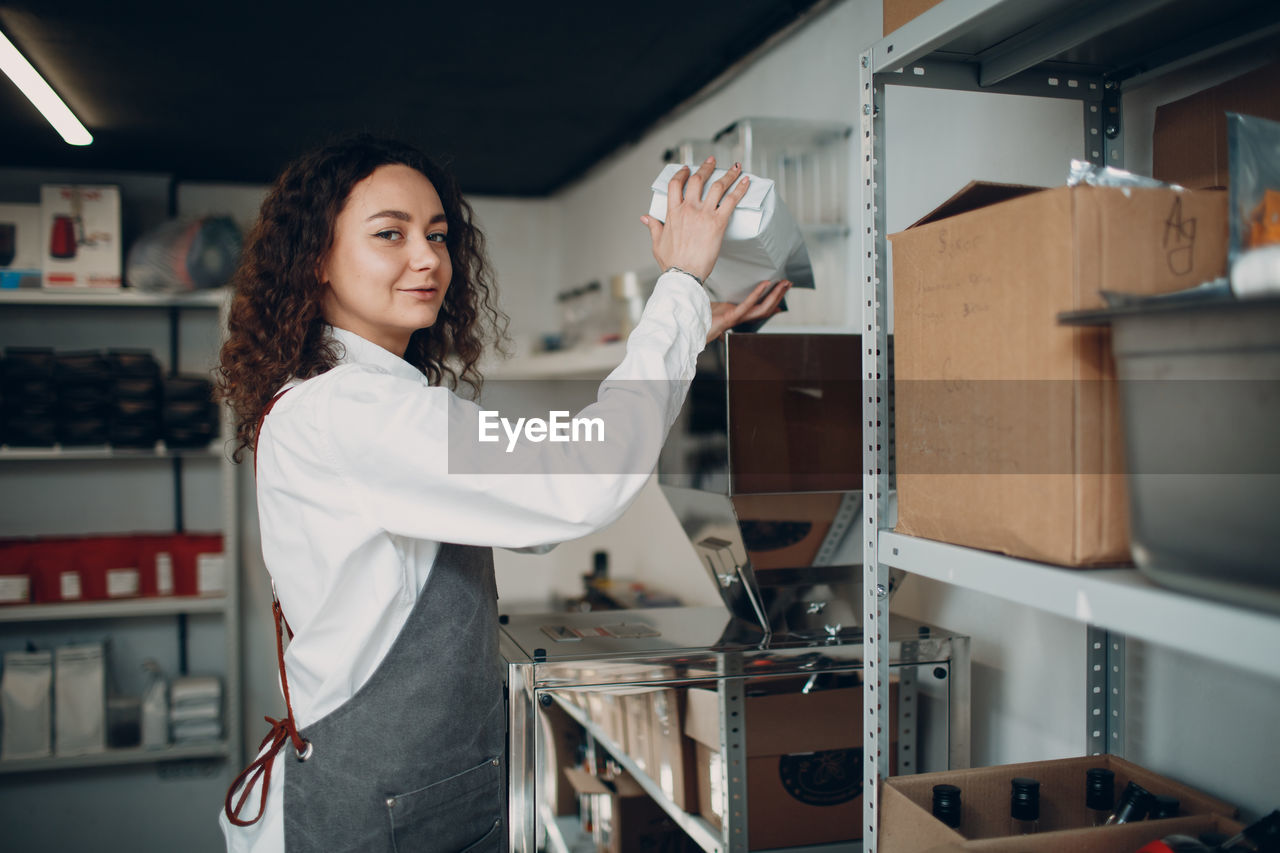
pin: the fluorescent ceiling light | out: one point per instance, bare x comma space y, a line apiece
38, 92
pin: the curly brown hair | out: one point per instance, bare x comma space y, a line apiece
277, 329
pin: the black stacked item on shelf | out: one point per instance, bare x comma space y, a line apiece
135, 416
84, 400
190, 416
30, 397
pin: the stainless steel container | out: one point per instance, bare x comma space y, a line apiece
763, 470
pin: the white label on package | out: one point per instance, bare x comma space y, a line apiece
122, 583
211, 574
69, 586
15, 589
164, 573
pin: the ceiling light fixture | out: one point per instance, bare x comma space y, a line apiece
26, 78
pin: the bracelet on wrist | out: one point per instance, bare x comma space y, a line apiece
696, 278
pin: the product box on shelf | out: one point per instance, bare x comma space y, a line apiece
674, 760
1009, 435
20, 253
559, 738
607, 712
81, 235
804, 782
899, 12
15, 577
907, 824
1189, 143
1126, 838
624, 819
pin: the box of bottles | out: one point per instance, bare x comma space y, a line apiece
804, 781
1041, 805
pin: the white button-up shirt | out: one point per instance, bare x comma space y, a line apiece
355, 497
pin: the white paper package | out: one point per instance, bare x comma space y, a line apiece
80, 699
26, 705
763, 240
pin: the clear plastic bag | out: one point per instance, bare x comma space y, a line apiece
1084, 172
1253, 146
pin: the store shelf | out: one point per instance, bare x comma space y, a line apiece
586, 362
129, 608
1007, 37
123, 298
80, 454
116, 757
699, 830
1120, 600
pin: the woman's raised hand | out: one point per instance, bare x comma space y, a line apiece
691, 236
763, 301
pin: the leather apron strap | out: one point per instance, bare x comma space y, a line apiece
282, 730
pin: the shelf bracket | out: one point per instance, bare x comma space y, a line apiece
875, 452
733, 751
1104, 715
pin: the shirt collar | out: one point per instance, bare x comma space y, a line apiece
357, 350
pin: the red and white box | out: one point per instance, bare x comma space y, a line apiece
80, 235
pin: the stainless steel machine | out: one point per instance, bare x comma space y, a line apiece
763, 471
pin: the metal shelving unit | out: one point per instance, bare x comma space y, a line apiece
223, 606
114, 757
1051, 48
706, 647
127, 608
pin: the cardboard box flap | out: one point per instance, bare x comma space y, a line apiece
586, 783
974, 195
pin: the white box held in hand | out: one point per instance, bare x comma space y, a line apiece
763, 241
81, 235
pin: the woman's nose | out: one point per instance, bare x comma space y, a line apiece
424, 256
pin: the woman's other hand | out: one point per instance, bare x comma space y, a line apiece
691, 236
763, 302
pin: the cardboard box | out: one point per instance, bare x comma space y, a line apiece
899, 12
624, 818
1114, 839
804, 763
907, 824
80, 233
559, 737
607, 712
20, 252
1189, 143
1008, 429
674, 763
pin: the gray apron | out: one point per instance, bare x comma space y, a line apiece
415, 760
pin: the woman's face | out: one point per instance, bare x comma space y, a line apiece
388, 268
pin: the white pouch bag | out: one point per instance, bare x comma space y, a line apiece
763, 240
80, 699
26, 704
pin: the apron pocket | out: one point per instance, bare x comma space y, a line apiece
463, 812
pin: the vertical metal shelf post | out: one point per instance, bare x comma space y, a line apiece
875, 457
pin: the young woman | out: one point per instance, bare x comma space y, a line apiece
363, 299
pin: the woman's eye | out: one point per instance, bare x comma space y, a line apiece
438, 237
389, 234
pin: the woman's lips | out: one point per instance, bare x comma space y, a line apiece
422, 292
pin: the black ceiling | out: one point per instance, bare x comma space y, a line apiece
519, 98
